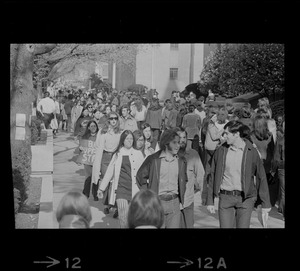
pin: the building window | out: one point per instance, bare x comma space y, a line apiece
174, 46
174, 73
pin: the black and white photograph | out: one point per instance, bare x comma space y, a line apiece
149, 135
199, 125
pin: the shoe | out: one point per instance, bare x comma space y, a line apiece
96, 199
106, 210
116, 214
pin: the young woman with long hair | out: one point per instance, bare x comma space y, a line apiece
122, 172
90, 134
140, 139
263, 140
107, 141
150, 143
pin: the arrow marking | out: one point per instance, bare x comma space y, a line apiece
186, 263
53, 262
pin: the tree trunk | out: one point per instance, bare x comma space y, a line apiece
22, 94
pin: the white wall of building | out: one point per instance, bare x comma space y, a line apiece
198, 61
153, 67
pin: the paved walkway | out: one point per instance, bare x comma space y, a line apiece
68, 175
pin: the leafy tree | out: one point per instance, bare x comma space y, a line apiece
241, 68
65, 57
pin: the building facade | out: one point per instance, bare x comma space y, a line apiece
164, 67
167, 67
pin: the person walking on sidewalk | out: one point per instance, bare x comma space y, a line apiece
46, 107
90, 135
154, 119
234, 166
166, 174
107, 142
68, 109
191, 122
75, 113
121, 172
195, 174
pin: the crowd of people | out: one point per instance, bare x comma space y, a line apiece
173, 150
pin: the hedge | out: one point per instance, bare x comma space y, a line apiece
35, 130
242, 68
21, 170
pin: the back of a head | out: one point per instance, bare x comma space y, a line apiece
73, 222
74, 203
260, 128
145, 210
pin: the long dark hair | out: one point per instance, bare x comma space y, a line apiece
166, 137
124, 134
260, 128
87, 132
143, 127
136, 135
145, 210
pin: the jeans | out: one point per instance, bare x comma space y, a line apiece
235, 211
69, 123
156, 135
47, 119
172, 213
207, 165
281, 177
187, 217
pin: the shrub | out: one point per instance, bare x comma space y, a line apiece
35, 130
21, 169
241, 68
277, 108
17, 200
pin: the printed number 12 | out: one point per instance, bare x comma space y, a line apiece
75, 264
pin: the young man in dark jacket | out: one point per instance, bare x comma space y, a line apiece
165, 173
234, 168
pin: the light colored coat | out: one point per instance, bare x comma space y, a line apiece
112, 174
195, 173
108, 142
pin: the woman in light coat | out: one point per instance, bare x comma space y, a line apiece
121, 172
107, 142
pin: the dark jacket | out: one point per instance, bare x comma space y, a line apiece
68, 106
252, 166
150, 170
153, 117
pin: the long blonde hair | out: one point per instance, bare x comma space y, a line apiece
106, 125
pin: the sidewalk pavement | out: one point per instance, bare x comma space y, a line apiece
68, 175
42, 166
